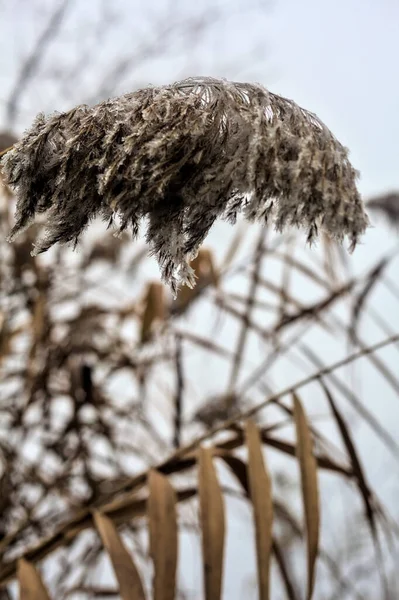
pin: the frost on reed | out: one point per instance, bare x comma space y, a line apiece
181, 156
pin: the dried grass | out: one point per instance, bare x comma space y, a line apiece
76, 486
388, 206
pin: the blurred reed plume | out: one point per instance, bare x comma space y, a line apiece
182, 156
388, 206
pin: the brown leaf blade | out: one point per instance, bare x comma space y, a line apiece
310, 492
154, 310
212, 524
286, 575
31, 586
130, 585
261, 496
360, 477
161, 508
237, 466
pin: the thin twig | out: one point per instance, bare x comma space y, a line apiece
248, 312
31, 64
179, 393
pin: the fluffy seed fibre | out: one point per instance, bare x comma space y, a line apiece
181, 156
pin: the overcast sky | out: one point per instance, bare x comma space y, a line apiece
340, 60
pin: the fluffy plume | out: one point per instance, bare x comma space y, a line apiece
182, 156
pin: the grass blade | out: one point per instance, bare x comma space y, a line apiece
360, 300
286, 576
31, 586
161, 509
212, 524
310, 491
237, 466
126, 573
261, 496
154, 310
354, 458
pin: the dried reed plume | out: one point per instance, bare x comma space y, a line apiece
184, 155
388, 206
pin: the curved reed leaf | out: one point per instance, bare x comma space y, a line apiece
179, 461
388, 206
361, 298
261, 497
130, 585
355, 460
127, 509
154, 310
237, 466
5, 337
31, 586
212, 524
161, 508
286, 576
310, 492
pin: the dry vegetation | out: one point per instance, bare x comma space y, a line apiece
74, 451
138, 430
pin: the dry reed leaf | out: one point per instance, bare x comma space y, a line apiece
163, 535
310, 492
355, 461
122, 511
286, 515
388, 206
261, 497
5, 337
237, 466
323, 462
208, 268
286, 575
212, 524
127, 509
202, 343
38, 326
361, 298
154, 310
39, 317
204, 267
130, 585
31, 586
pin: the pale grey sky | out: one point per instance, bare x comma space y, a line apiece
339, 59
